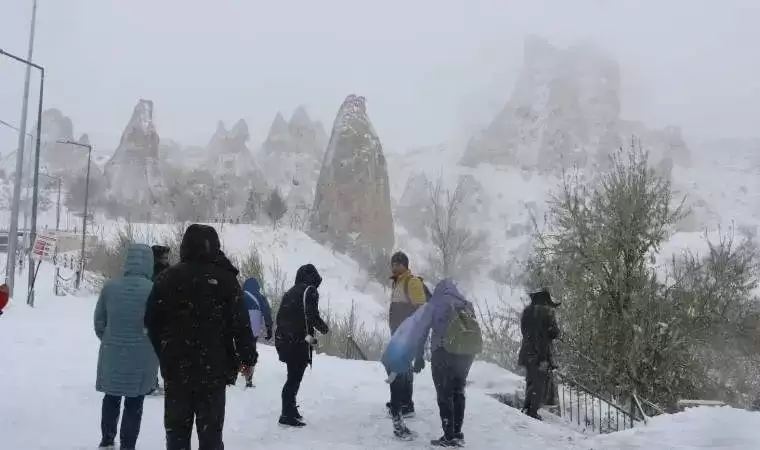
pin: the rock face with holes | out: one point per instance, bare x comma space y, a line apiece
352, 205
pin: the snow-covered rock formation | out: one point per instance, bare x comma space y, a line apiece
292, 156
564, 112
57, 158
133, 172
229, 156
352, 206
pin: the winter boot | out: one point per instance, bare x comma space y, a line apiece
400, 430
447, 441
103, 446
291, 421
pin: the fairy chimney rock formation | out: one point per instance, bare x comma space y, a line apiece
352, 205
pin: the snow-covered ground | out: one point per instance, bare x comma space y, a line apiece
47, 366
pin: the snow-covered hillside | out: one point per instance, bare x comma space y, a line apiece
344, 283
49, 357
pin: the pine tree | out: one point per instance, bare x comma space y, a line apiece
276, 207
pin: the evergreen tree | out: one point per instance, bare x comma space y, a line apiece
251, 211
276, 207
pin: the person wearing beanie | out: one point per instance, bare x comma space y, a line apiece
408, 292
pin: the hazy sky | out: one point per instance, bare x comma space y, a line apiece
431, 70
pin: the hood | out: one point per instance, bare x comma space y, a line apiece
252, 285
308, 275
139, 261
199, 244
447, 292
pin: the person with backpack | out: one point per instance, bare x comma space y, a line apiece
408, 292
258, 312
538, 325
455, 339
297, 318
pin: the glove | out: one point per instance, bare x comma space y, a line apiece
544, 366
419, 364
268, 336
246, 370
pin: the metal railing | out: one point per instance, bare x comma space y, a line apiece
353, 350
589, 409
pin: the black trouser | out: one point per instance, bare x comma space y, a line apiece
184, 403
296, 368
450, 376
402, 389
249, 378
535, 387
130, 420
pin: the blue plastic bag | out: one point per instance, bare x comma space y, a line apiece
404, 344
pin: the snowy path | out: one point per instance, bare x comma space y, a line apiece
47, 364
48, 401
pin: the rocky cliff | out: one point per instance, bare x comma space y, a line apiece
352, 205
292, 156
57, 158
133, 172
229, 155
565, 111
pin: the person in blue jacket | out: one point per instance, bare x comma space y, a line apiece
127, 363
258, 311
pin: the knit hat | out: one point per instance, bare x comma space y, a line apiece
400, 258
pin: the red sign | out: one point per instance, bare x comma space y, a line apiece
44, 247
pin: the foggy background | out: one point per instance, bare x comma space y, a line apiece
432, 71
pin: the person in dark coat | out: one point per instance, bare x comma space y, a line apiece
160, 262
539, 329
198, 325
127, 364
297, 319
160, 259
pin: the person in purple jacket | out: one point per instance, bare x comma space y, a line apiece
258, 311
449, 370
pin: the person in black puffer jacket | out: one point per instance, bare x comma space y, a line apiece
198, 325
297, 318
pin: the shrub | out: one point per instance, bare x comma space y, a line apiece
346, 334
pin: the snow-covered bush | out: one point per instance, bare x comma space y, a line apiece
627, 329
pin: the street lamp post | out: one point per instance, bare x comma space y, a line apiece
57, 227
80, 272
13, 234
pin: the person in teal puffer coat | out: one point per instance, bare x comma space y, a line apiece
127, 363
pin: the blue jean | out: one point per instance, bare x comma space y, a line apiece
130, 420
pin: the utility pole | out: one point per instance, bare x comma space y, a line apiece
80, 272
10, 264
35, 193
